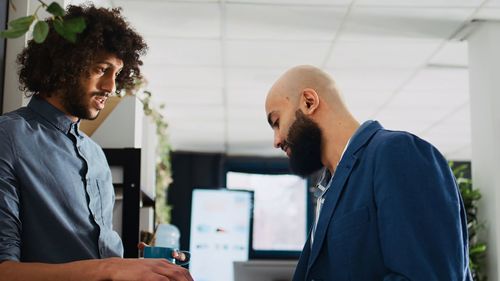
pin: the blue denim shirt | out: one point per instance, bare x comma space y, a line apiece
56, 192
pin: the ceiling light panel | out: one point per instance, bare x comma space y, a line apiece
253, 99
382, 54
183, 76
184, 52
255, 78
424, 100
295, 2
369, 79
420, 3
274, 53
278, 22
440, 79
403, 23
173, 19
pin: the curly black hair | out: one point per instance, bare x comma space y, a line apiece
58, 64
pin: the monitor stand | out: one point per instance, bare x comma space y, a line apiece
264, 270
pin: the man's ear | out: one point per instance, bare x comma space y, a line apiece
309, 101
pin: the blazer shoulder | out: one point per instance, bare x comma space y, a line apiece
388, 137
387, 141
389, 145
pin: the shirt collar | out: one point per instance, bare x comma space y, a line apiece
53, 115
326, 176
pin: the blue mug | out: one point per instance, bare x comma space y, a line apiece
167, 253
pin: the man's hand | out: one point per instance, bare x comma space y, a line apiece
105, 269
145, 269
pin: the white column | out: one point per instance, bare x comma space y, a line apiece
12, 96
484, 73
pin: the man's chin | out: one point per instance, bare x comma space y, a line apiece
92, 116
303, 170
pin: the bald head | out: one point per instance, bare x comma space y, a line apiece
309, 120
293, 82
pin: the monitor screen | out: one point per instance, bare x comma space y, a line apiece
220, 227
280, 216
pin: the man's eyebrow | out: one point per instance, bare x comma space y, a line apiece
269, 118
108, 63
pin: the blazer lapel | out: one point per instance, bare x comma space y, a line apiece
331, 199
344, 169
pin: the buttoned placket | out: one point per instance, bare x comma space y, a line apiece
91, 187
319, 203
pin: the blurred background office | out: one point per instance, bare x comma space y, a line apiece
428, 67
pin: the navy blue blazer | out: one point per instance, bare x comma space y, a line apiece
392, 212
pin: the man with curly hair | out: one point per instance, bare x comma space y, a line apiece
56, 192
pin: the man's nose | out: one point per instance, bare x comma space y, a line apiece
277, 140
108, 84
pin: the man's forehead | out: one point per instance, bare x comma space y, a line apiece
109, 58
273, 102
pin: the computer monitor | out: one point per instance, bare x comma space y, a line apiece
280, 216
220, 227
264, 270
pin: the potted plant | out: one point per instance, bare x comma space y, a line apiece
471, 197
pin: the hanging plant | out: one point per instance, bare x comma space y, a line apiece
163, 149
67, 28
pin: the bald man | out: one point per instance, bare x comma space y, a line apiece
390, 208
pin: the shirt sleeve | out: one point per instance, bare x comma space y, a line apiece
10, 223
420, 212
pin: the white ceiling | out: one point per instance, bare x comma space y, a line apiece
212, 63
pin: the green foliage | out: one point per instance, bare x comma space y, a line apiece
68, 29
471, 196
163, 148
40, 31
55, 9
18, 27
23, 22
62, 30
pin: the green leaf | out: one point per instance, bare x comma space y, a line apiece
68, 35
55, 9
40, 31
75, 25
22, 23
13, 33
480, 248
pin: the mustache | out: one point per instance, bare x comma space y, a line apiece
102, 94
285, 144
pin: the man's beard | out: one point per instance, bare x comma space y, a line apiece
76, 102
304, 141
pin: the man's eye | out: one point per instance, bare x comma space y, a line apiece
276, 123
